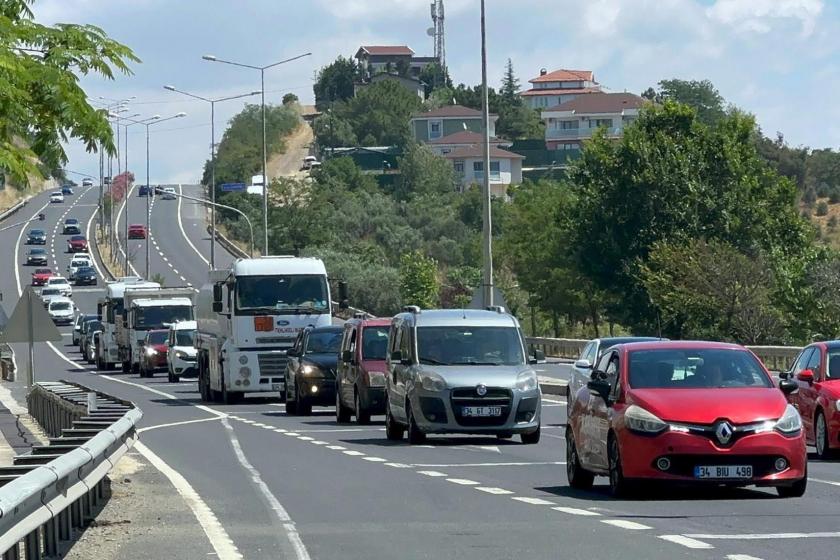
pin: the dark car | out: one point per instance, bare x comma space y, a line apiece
36, 257
310, 371
36, 237
360, 376
84, 276
88, 327
77, 325
77, 244
71, 227
66, 189
143, 190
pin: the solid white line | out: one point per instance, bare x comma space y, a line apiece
533, 501
699, 545
171, 424
492, 490
219, 539
291, 531
441, 466
830, 482
576, 511
181, 226
624, 524
768, 536
432, 473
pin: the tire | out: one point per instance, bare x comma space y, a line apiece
619, 486
172, 377
362, 414
795, 490
579, 477
531, 438
415, 434
126, 367
229, 397
291, 399
342, 413
821, 438
393, 430
203, 382
304, 407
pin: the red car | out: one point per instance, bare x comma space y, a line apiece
40, 276
817, 373
360, 376
77, 244
686, 413
154, 352
137, 231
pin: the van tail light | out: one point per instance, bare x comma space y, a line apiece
264, 324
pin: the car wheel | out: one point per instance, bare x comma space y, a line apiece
619, 487
393, 429
172, 377
795, 490
362, 414
304, 406
578, 477
821, 437
291, 403
415, 435
342, 413
531, 438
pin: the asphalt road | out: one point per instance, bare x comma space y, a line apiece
266, 485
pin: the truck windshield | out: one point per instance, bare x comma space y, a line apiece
159, 317
466, 345
375, 343
184, 338
282, 294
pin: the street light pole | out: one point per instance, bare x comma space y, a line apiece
265, 181
225, 206
487, 229
126, 192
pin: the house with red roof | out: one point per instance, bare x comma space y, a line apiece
553, 88
568, 124
449, 119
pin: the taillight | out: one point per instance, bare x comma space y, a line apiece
265, 323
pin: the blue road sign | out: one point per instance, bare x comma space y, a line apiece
231, 187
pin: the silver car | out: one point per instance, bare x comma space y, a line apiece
459, 371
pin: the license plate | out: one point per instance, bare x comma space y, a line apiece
482, 411
277, 386
723, 471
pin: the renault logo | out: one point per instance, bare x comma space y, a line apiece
724, 432
480, 390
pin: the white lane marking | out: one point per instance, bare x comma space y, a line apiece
492, 490
172, 424
181, 226
336, 447
216, 534
375, 459
695, 544
169, 396
293, 434
554, 401
398, 465
830, 482
462, 481
450, 465
288, 525
305, 438
625, 524
533, 501
318, 442
434, 474
741, 557
576, 511
330, 430
353, 453
767, 536
17, 248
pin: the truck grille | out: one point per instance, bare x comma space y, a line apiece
272, 364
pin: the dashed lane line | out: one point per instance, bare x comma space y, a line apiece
696, 544
576, 511
462, 481
625, 524
533, 501
492, 490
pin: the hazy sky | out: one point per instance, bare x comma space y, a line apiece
775, 58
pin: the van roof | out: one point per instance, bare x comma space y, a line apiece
184, 326
460, 317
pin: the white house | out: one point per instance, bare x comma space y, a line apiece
505, 167
446, 144
553, 88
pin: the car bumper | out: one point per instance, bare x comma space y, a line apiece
373, 399
184, 368
37, 262
36, 241
640, 453
85, 281
316, 390
136, 236
62, 320
440, 413
77, 248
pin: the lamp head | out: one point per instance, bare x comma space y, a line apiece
170, 88
209, 57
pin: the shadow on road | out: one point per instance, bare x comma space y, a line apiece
660, 493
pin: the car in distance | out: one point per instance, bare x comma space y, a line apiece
154, 352
66, 190
137, 231
40, 276
36, 237
180, 351
56, 198
61, 310
48, 294
84, 276
89, 327
460, 371
143, 190
77, 261
77, 244
94, 339
360, 375
310, 370
816, 371
169, 193
77, 325
87, 182
36, 257
685, 413
61, 283
71, 227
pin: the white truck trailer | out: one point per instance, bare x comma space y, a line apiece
110, 310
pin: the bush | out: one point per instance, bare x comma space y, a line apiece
834, 195
810, 196
832, 223
822, 208
823, 190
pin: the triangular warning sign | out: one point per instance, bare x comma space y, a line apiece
30, 321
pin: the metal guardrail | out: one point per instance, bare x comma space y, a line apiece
229, 245
14, 208
52, 490
7, 362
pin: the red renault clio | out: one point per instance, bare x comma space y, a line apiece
685, 412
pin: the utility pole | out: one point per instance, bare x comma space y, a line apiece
487, 229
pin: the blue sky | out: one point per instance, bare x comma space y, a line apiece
777, 59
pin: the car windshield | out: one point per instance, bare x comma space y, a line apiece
262, 294
77, 238
158, 337
37, 252
57, 281
92, 326
184, 338
84, 269
375, 343
71, 221
468, 345
43, 271
832, 372
695, 369
158, 317
60, 306
49, 291
36, 232
323, 342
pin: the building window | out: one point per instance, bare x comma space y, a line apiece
435, 129
445, 150
568, 125
595, 123
569, 146
459, 167
495, 171
478, 170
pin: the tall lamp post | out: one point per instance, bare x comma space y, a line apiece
125, 233
487, 230
262, 70
212, 103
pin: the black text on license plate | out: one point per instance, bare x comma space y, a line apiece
723, 471
482, 411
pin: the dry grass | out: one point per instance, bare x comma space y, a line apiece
108, 259
830, 235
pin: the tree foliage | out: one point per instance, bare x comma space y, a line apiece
434, 76
701, 95
419, 284
422, 172
335, 82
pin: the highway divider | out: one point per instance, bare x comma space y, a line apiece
53, 490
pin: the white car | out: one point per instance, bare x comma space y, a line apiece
61, 310
77, 262
61, 283
87, 182
56, 197
47, 294
169, 193
180, 351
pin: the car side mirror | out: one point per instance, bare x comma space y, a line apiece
601, 388
806, 375
583, 364
788, 386
538, 357
292, 352
784, 374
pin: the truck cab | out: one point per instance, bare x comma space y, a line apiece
147, 310
110, 309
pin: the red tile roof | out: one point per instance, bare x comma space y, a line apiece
449, 111
565, 76
475, 150
464, 137
561, 91
386, 50
600, 103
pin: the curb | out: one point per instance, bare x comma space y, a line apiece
554, 387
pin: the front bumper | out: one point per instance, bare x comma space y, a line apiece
316, 389
685, 451
266, 371
442, 412
85, 281
77, 248
37, 261
184, 368
62, 320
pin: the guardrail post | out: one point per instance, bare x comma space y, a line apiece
32, 546
64, 526
51, 537
12, 553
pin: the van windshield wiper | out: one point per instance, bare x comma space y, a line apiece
475, 363
432, 361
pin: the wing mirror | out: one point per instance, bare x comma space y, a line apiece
788, 386
583, 364
292, 353
538, 357
806, 375
601, 388
347, 357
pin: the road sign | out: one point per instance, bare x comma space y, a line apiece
30, 323
233, 187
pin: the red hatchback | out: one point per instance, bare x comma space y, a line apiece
154, 352
77, 244
817, 373
685, 412
137, 231
40, 276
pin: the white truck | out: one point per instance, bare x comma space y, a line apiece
248, 316
146, 310
110, 310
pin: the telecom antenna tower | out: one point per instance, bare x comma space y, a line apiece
437, 32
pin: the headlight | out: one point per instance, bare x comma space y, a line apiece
640, 420
243, 359
377, 378
432, 382
181, 355
527, 381
837, 405
151, 351
307, 370
245, 371
790, 423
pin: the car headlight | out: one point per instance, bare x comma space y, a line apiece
527, 381
837, 405
151, 351
377, 378
181, 355
308, 370
431, 381
640, 420
790, 423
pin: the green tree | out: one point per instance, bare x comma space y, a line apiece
403, 67
333, 132
419, 284
519, 121
434, 76
790, 162
290, 99
822, 208
510, 85
381, 111
699, 94
335, 82
43, 104
424, 172
294, 222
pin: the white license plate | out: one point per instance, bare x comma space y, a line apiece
723, 471
277, 386
481, 411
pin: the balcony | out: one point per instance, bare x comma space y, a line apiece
578, 133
